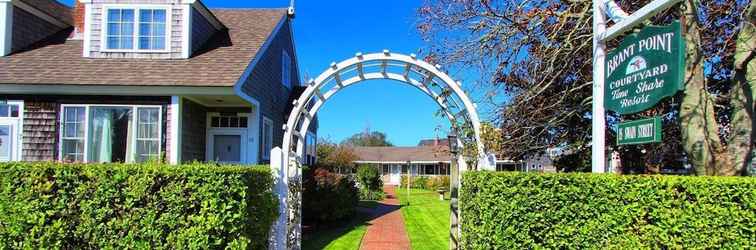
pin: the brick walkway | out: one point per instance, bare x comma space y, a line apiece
386, 230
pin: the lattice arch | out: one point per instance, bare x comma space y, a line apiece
287, 161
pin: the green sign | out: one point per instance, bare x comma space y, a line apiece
640, 131
645, 68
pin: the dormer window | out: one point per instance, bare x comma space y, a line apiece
135, 29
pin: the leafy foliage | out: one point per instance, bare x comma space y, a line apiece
371, 185
428, 183
368, 139
327, 197
566, 211
332, 155
77, 206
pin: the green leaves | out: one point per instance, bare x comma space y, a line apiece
522, 210
52, 205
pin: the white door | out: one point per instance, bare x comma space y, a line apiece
10, 124
396, 174
7, 142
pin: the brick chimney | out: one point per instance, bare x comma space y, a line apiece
79, 12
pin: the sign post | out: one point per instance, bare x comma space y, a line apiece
600, 36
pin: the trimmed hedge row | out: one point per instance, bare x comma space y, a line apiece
520, 210
432, 183
74, 206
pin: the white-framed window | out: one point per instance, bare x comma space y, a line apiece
267, 138
110, 133
140, 28
286, 69
11, 124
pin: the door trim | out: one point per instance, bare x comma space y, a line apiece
16, 126
210, 147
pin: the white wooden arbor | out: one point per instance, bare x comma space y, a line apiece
286, 162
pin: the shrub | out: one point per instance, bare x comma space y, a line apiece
566, 211
327, 197
371, 185
78, 206
427, 182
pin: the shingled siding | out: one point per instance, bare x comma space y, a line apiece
264, 84
202, 30
42, 120
40, 135
28, 29
176, 16
194, 128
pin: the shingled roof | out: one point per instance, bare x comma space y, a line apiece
220, 63
402, 154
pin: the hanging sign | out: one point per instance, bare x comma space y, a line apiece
640, 131
645, 68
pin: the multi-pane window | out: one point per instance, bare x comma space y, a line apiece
140, 29
286, 69
148, 134
267, 138
120, 30
73, 134
8, 111
117, 133
228, 121
151, 29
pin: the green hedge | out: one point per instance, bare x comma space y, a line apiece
74, 206
520, 210
432, 183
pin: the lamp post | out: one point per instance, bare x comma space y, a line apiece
453, 184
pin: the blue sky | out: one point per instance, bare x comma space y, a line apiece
328, 31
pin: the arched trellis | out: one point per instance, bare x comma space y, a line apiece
286, 162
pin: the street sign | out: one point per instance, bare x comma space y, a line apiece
640, 131
645, 68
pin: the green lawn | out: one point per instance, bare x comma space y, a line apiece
426, 218
346, 237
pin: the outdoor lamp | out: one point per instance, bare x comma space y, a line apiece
453, 147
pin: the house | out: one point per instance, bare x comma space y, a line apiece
394, 162
131, 81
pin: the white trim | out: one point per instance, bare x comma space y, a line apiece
87, 30
186, 33
17, 126
631, 21
136, 8
34, 11
134, 123
39, 89
295, 59
175, 137
244, 154
6, 27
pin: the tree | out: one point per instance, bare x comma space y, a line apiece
537, 53
368, 139
332, 155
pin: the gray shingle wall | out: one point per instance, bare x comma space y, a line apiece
193, 132
264, 84
202, 30
28, 29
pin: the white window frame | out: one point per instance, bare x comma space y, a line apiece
211, 131
266, 138
134, 122
286, 63
16, 125
136, 8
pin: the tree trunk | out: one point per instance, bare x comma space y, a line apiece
697, 117
740, 144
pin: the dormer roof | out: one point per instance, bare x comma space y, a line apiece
219, 63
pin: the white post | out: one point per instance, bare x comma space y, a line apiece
598, 162
6, 27
279, 228
175, 132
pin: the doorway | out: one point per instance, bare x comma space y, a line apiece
396, 174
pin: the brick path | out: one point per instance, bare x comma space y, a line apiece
386, 230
